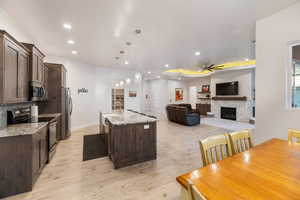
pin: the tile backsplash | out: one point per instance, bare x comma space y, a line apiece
3, 112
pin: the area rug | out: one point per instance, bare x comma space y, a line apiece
93, 147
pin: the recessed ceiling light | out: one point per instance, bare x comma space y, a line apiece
138, 76
71, 42
247, 59
138, 31
67, 26
166, 65
117, 85
149, 72
197, 53
74, 52
128, 80
121, 82
126, 62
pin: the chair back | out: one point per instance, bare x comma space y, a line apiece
215, 148
293, 135
240, 141
193, 192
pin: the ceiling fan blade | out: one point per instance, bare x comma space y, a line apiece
218, 69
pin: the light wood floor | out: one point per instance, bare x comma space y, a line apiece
68, 177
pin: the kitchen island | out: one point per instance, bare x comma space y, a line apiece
131, 138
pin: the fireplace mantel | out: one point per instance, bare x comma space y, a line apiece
222, 98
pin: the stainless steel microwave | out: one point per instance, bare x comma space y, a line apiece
37, 91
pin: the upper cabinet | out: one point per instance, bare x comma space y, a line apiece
14, 67
36, 63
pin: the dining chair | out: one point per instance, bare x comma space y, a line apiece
193, 193
240, 141
215, 148
293, 134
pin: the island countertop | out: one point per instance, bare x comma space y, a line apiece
128, 117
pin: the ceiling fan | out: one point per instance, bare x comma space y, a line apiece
212, 67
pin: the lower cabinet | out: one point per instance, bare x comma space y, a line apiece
39, 152
203, 109
23, 158
131, 144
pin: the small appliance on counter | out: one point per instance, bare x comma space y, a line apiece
19, 115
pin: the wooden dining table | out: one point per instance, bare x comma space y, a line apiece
268, 171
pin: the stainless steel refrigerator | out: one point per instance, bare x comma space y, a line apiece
69, 109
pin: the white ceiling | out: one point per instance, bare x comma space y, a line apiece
172, 30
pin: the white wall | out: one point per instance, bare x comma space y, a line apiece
10, 26
99, 82
197, 82
272, 35
242, 76
162, 92
172, 85
243, 108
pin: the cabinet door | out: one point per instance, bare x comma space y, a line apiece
43, 147
63, 78
35, 155
149, 140
34, 67
23, 77
40, 69
11, 61
46, 81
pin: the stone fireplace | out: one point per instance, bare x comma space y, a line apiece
243, 109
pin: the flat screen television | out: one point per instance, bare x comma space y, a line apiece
226, 89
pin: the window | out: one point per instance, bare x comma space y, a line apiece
295, 76
296, 84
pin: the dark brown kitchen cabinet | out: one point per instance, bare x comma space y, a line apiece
131, 143
14, 67
46, 71
36, 63
39, 152
44, 147
24, 157
203, 109
35, 155
63, 78
23, 77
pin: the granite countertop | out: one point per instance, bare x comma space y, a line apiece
22, 129
127, 117
50, 115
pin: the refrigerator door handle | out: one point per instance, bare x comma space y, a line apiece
71, 105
